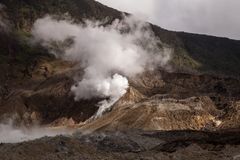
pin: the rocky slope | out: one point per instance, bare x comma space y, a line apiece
201, 92
36, 86
129, 145
155, 101
174, 101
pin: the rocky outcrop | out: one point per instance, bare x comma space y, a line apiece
157, 113
45, 98
173, 101
36, 86
132, 145
232, 117
155, 101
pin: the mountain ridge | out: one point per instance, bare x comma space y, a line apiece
192, 52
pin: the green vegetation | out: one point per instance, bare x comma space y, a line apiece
202, 53
220, 55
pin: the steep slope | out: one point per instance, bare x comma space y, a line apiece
192, 52
208, 54
36, 85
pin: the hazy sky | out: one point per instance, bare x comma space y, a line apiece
214, 17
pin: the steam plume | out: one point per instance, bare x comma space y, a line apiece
108, 54
12, 134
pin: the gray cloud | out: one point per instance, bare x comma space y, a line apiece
214, 17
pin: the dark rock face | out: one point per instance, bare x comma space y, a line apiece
24, 13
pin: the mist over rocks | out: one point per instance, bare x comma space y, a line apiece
11, 133
4, 24
108, 54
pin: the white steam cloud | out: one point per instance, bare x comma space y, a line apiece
9, 133
108, 54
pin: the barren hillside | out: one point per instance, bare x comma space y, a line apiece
189, 109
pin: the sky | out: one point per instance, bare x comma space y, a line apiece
213, 17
